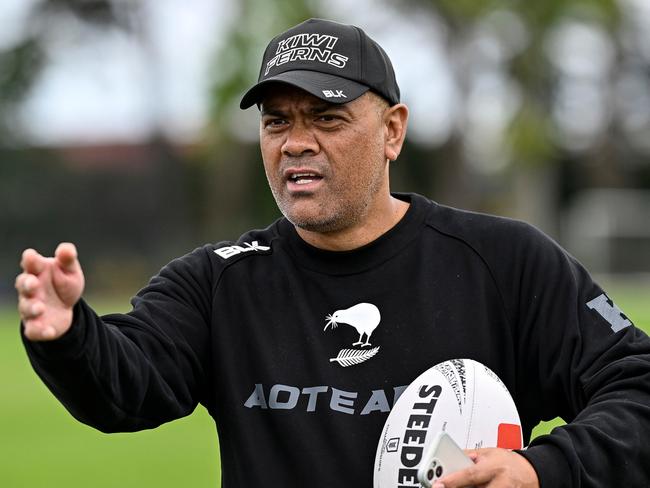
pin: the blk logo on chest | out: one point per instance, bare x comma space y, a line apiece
230, 251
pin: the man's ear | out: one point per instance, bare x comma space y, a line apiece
395, 122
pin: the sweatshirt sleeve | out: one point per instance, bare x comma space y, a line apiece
580, 358
127, 372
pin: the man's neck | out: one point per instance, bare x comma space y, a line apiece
360, 235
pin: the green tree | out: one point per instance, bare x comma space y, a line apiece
229, 180
24, 60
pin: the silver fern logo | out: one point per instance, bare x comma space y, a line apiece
350, 357
365, 318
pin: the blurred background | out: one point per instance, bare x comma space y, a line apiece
120, 131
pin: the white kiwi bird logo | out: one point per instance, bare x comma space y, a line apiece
364, 317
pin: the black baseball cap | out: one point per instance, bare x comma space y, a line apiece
332, 61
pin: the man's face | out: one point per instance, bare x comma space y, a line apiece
325, 163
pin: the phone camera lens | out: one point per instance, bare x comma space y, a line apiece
439, 471
430, 474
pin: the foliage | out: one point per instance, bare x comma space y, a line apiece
230, 180
222, 175
237, 64
19, 67
530, 133
22, 62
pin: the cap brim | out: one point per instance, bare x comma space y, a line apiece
327, 87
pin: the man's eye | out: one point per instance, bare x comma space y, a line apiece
274, 123
327, 118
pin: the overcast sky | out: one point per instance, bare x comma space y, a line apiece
101, 89
107, 89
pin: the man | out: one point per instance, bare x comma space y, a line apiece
249, 328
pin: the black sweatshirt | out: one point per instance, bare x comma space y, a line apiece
242, 328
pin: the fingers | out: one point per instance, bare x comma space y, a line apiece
65, 257
32, 262
27, 285
472, 476
47, 290
472, 454
30, 309
36, 331
493, 468
476, 475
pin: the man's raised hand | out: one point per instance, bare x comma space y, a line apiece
48, 289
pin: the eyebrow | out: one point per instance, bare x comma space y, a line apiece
324, 107
315, 109
271, 111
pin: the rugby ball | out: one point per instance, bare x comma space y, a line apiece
461, 397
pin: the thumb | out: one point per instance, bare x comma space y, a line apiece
68, 278
66, 257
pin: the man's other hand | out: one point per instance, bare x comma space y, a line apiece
493, 468
48, 289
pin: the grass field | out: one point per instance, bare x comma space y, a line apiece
41, 445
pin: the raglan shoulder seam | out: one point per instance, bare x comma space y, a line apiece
458, 235
255, 243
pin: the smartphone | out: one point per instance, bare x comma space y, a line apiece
443, 456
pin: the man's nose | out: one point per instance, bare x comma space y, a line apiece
300, 140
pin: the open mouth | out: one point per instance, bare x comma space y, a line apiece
304, 178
